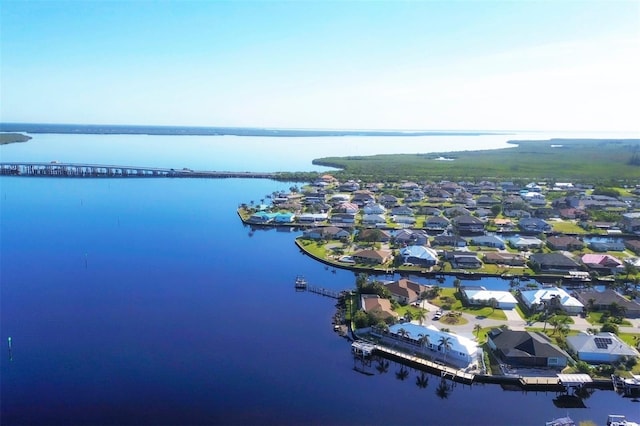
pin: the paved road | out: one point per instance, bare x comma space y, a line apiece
514, 321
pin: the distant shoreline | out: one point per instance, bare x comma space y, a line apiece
7, 138
221, 131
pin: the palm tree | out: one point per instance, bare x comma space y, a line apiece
403, 333
476, 329
422, 380
423, 339
559, 323
445, 345
494, 304
402, 374
443, 390
421, 315
383, 366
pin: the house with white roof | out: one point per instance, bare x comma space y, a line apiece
478, 295
461, 352
536, 300
600, 348
419, 255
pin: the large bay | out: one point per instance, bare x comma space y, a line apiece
146, 301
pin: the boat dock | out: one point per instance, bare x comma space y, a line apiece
301, 284
81, 170
444, 371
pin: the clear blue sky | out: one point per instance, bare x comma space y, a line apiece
527, 65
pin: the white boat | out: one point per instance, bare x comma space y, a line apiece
619, 420
561, 421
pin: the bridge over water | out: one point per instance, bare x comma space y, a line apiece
56, 169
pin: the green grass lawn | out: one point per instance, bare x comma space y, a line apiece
567, 227
448, 294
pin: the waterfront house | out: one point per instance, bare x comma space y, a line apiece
503, 258
480, 296
526, 349
312, 217
606, 245
405, 291
284, 217
604, 264
373, 257
536, 300
488, 241
553, 262
603, 301
419, 255
461, 351
327, 233
261, 217
560, 242
465, 261
600, 348
379, 307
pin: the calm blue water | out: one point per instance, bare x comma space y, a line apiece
148, 302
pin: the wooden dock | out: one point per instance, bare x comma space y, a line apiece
445, 371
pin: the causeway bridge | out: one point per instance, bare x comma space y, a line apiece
79, 170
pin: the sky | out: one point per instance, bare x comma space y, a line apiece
432, 65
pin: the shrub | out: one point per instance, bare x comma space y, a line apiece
609, 328
583, 367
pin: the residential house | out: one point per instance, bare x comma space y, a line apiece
327, 233
478, 295
363, 197
526, 349
525, 243
261, 217
388, 200
560, 242
488, 241
553, 262
468, 224
343, 218
284, 217
378, 307
465, 261
448, 240
411, 237
419, 255
487, 201
633, 245
405, 291
373, 257
374, 235
345, 207
517, 213
606, 245
436, 223
373, 219
461, 352
537, 300
600, 348
603, 300
402, 210
533, 225
456, 211
604, 264
502, 258
349, 186
374, 209
312, 217
406, 220
631, 222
